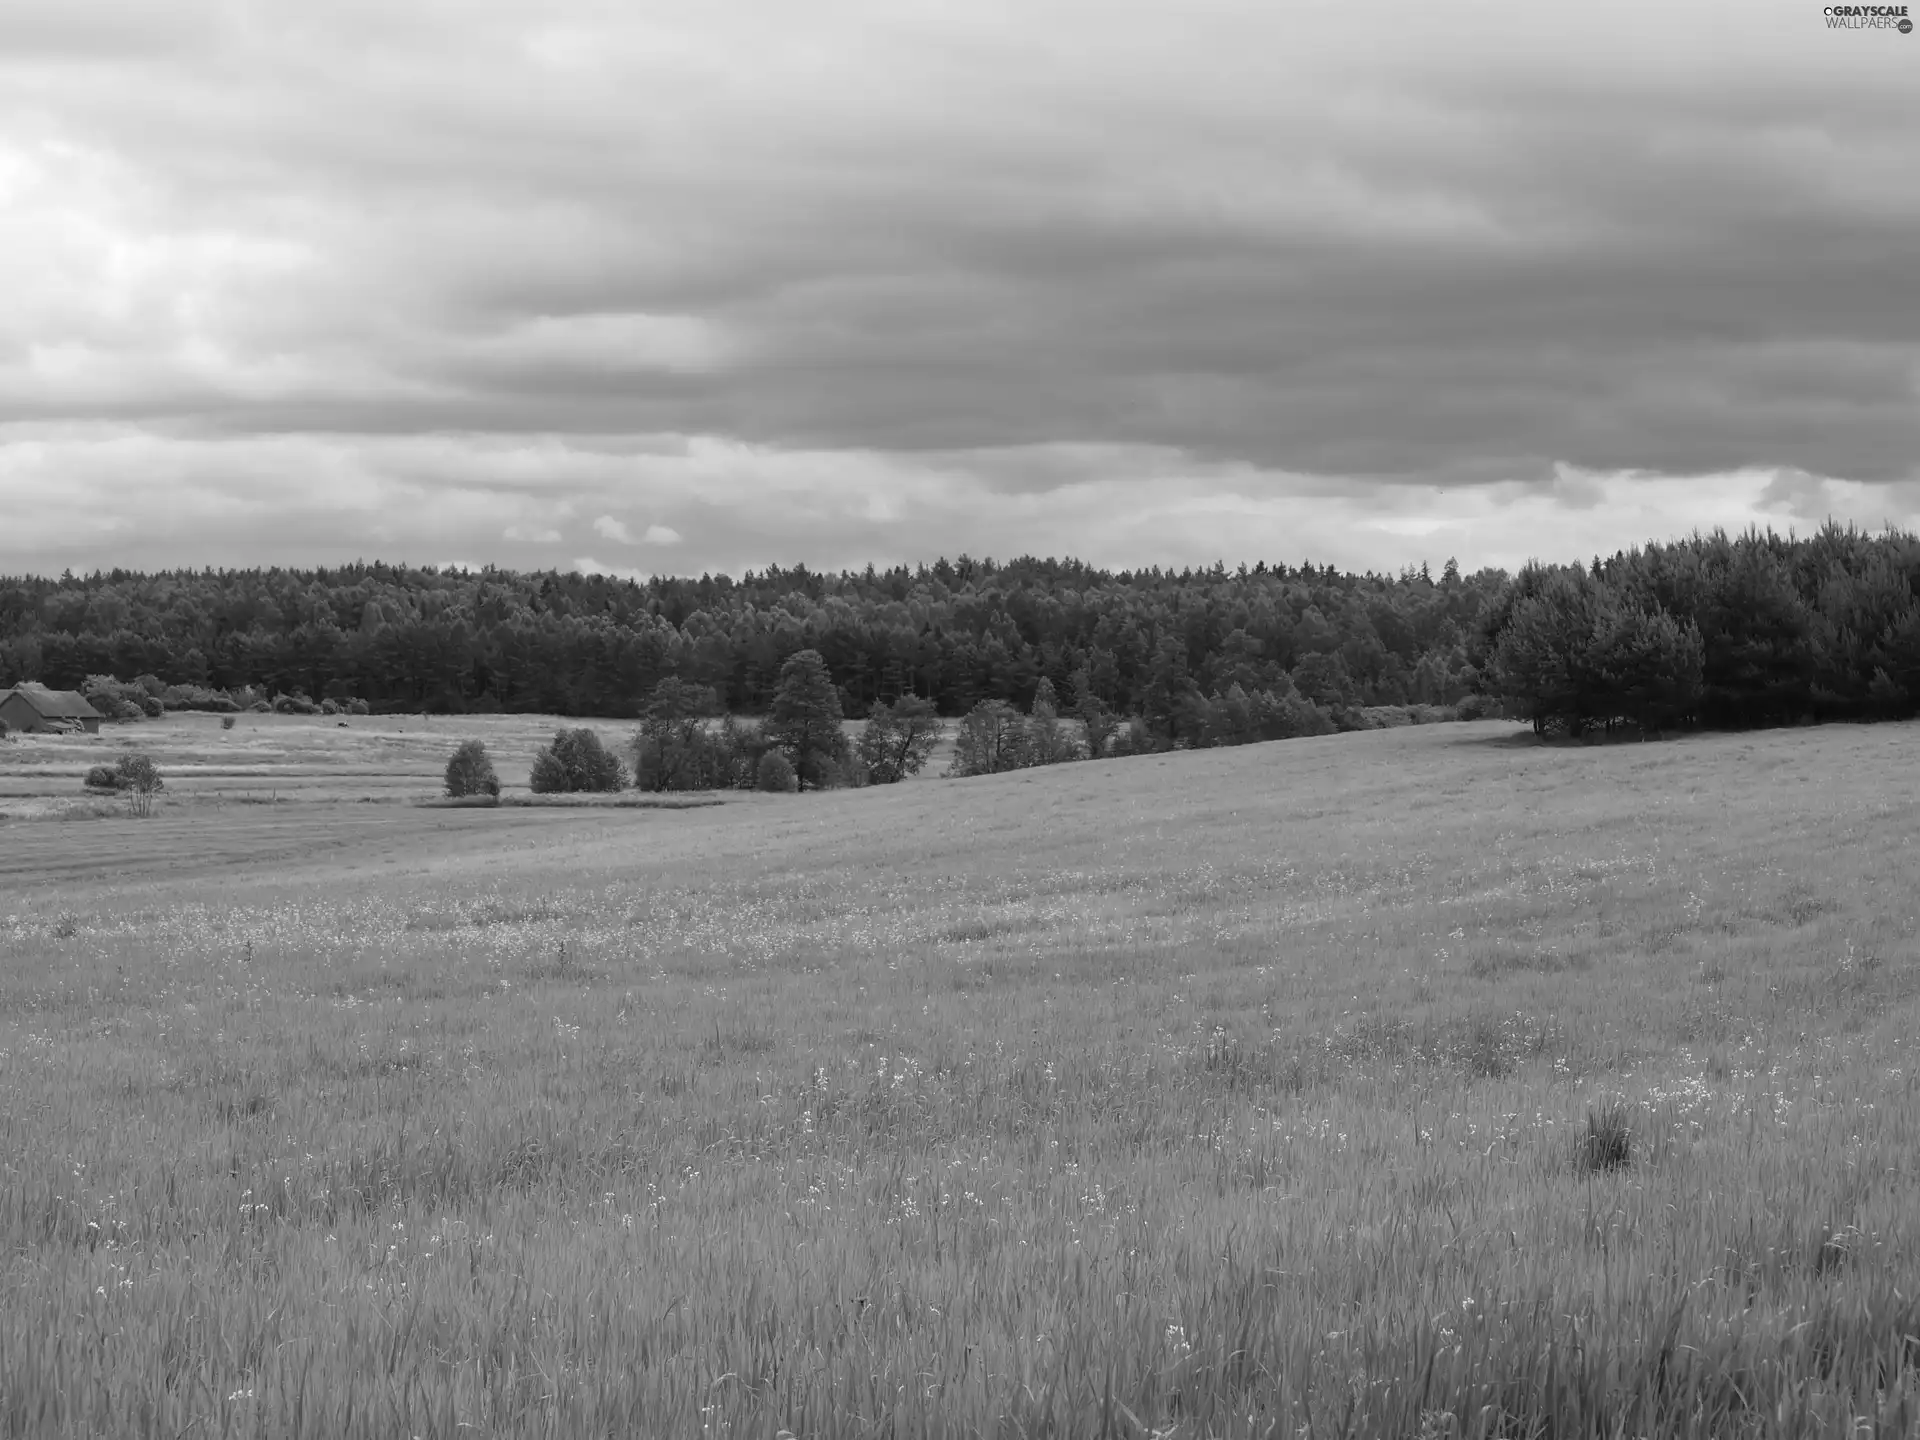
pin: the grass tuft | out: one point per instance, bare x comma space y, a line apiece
1608, 1141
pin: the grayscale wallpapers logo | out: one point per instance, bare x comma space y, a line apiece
1869, 17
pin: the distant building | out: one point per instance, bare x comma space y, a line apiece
34, 707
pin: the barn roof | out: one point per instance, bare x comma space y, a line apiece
55, 704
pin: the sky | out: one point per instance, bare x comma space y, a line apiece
668, 288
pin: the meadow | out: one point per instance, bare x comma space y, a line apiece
1428, 1082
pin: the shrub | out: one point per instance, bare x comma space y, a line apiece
198, 697
260, 707
151, 707
1477, 707
103, 777
775, 773
1135, 737
294, 704
549, 776
329, 707
138, 776
470, 771
226, 722
358, 707
741, 746
576, 761
114, 699
4, 729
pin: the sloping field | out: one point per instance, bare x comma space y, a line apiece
1427, 1082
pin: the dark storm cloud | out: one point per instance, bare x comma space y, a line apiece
477, 275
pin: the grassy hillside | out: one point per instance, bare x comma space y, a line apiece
1229, 1092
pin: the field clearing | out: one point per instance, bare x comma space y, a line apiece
298, 758
1238, 1092
277, 757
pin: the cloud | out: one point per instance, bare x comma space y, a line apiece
587, 565
737, 506
923, 275
662, 535
611, 529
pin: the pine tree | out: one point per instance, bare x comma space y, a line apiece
804, 720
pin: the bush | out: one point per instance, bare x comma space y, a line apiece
260, 707
4, 729
329, 707
198, 697
470, 771
358, 707
775, 773
151, 707
138, 775
226, 722
103, 777
294, 704
115, 699
1477, 707
576, 761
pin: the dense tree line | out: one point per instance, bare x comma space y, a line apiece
1158, 645
1712, 630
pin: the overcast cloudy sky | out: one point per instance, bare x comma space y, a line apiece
667, 287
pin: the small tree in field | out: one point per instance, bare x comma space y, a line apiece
775, 775
576, 761
993, 738
1047, 744
470, 772
138, 776
899, 739
673, 748
804, 720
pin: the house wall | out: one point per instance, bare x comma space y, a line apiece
19, 714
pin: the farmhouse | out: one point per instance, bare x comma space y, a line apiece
34, 707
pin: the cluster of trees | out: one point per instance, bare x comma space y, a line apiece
150, 697
684, 743
134, 775
1146, 642
1712, 630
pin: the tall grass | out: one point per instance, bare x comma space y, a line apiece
1272, 1092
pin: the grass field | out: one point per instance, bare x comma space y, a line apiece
269, 759
1240, 1092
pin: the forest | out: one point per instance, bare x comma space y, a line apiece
1711, 630
952, 633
